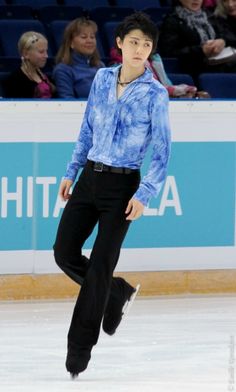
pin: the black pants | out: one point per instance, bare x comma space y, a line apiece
98, 197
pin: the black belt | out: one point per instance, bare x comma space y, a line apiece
101, 167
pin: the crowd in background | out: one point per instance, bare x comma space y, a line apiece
201, 34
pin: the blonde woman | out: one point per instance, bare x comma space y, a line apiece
77, 60
28, 81
224, 21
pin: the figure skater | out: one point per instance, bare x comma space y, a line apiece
127, 109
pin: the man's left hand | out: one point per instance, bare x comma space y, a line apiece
134, 209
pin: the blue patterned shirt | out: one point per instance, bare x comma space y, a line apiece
118, 131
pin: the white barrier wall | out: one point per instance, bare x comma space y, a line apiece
190, 226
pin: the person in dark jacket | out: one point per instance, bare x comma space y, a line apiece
77, 60
188, 34
224, 21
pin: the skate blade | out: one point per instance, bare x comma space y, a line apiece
73, 376
129, 303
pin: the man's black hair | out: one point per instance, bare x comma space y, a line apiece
140, 21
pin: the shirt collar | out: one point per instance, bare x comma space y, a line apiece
146, 77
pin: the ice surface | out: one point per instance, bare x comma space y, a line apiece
165, 344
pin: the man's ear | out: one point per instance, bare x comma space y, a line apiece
119, 42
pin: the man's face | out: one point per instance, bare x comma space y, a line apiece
136, 47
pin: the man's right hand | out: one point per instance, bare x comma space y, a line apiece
65, 189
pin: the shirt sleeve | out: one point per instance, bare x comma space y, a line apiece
85, 139
152, 182
64, 81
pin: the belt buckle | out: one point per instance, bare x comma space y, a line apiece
98, 166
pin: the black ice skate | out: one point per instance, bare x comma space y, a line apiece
116, 309
77, 360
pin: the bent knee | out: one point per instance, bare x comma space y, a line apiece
60, 259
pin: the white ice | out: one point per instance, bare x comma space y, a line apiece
165, 344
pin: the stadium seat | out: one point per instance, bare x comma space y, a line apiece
56, 30
219, 85
34, 3
3, 76
8, 64
171, 64
181, 79
16, 12
138, 4
102, 15
109, 31
50, 13
11, 30
87, 4
158, 13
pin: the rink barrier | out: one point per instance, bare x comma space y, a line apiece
58, 286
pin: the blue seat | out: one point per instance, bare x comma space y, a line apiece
141, 4
219, 85
34, 3
57, 28
3, 76
109, 34
157, 14
181, 79
102, 15
58, 12
8, 64
138, 4
171, 64
87, 4
11, 30
16, 12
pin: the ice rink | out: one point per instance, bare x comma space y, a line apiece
165, 344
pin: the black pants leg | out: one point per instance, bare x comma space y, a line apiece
77, 223
97, 197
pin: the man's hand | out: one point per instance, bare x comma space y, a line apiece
64, 189
134, 209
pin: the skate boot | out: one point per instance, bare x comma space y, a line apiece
117, 308
77, 359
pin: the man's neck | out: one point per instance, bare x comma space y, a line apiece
128, 74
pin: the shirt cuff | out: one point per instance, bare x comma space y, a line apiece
142, 195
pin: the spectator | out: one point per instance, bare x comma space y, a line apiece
187, 34
77, 59
224, 21
28, 81
155, 64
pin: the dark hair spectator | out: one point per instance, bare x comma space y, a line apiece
187, 33
28, 81
77, 59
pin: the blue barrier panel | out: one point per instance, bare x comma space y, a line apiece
195, 208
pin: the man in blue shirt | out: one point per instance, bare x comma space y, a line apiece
127, 109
